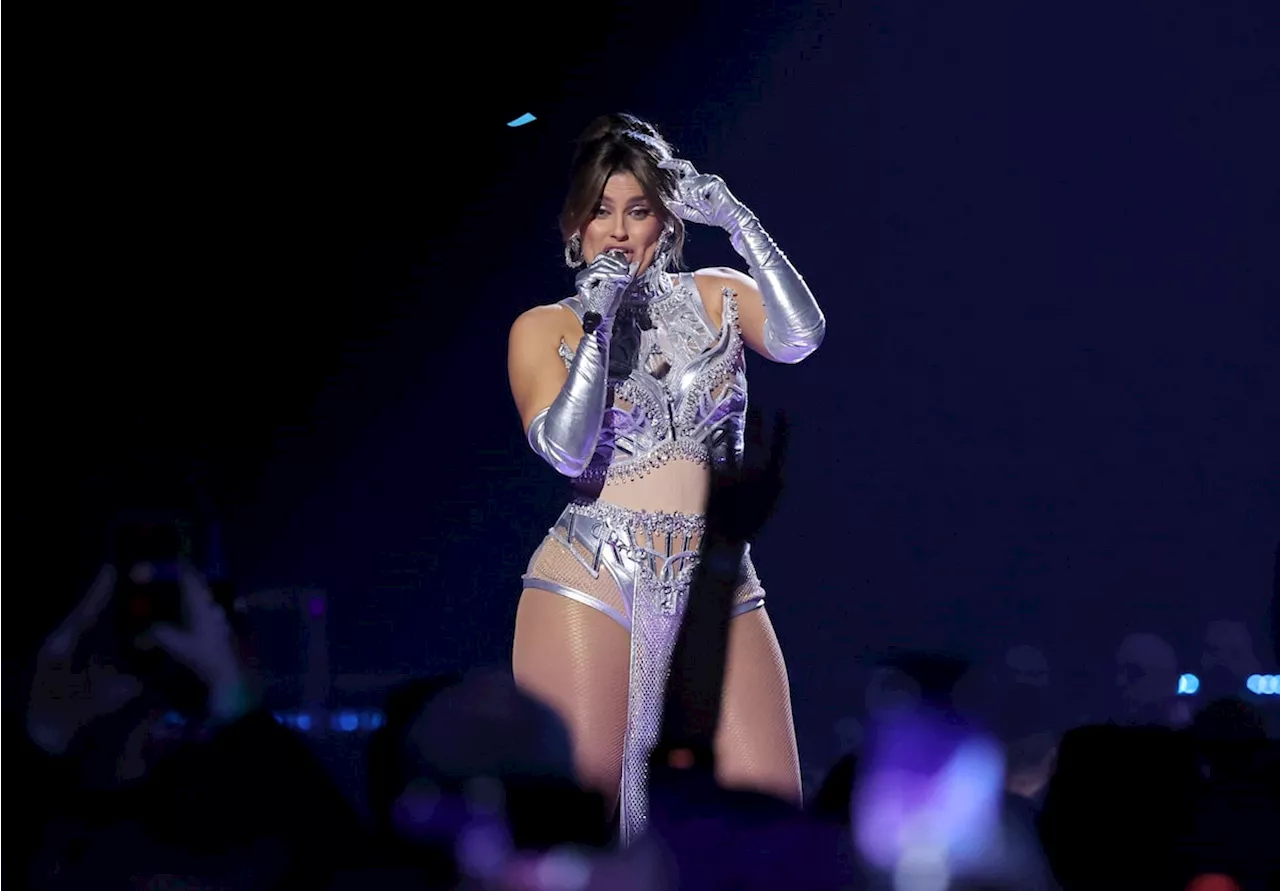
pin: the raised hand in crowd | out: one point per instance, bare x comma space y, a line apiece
74, 688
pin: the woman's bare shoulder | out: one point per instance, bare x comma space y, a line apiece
716, 278
548, 320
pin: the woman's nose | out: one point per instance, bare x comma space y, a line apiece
620, 227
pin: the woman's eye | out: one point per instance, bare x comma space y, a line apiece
640, 212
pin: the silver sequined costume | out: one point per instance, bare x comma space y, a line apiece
677, 391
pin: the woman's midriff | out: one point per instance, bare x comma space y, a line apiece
676, 487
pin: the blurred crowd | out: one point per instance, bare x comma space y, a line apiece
947, 777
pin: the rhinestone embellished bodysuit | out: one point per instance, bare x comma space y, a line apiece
677, 392
677, 385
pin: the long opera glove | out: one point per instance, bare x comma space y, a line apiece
565, 433
794, 324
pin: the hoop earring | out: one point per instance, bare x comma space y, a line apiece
573, 252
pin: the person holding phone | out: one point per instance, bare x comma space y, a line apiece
633, 388
231, 794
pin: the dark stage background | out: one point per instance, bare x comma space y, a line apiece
285, 250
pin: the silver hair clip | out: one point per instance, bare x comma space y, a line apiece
656, 144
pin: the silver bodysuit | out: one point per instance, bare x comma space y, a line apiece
677, 391
671, 394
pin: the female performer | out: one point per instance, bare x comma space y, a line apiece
631, 388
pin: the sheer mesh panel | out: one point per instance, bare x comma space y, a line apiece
553, 562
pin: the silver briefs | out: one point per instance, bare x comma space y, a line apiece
650, 557
607, 533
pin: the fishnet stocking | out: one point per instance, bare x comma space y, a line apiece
756, 740
576, 660
553, 562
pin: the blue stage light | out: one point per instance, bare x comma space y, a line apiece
525, 118
1188, 684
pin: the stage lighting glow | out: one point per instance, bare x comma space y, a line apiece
922, 868
1188, 684
525, 118
565, 870
343, 721
929, 800
1270, 685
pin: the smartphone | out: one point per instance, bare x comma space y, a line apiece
147, 553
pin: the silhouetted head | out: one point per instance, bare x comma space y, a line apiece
481, 753
1146, 676
387, 776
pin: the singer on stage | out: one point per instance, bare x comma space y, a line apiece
631, 388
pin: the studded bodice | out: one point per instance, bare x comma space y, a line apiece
677, 385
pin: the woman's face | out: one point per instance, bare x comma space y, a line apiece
625, 220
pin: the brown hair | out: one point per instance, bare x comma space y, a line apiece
612, 144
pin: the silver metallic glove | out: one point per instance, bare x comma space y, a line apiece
565, 433
794, 324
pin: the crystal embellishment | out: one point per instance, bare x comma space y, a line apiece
686, 403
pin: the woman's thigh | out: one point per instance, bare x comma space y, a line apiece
576, 659
756, 740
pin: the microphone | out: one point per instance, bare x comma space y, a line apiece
634, 267
591, 320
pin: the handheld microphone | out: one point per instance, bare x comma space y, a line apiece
592, 320
633, 267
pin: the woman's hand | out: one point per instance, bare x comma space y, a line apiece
779, 317
603, 282
704, 198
